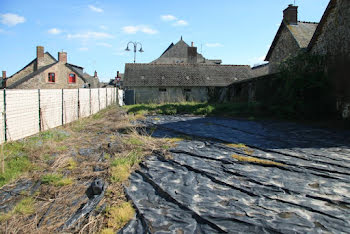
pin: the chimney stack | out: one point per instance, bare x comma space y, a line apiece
39, 57
62, 57
192, 44
95, 74
3, 74
290, 14
118, 76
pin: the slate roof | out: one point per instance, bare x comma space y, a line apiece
182, 75
77, 71
301, 32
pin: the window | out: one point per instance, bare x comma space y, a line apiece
51, 77
187, 90
162, 90
71, 78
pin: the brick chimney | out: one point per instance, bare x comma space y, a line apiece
290, 14
40, 62
118, 74
192, 44
62, 57
4, 74
95, 74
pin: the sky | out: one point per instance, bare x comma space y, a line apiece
95, 33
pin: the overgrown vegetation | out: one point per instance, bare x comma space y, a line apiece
56, 180
195, 108
23, 207
304, 90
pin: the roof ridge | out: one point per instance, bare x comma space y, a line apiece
190, 64
307, 22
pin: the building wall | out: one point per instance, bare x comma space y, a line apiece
172, 94
29, 69
284, 48
334, 42
40, 81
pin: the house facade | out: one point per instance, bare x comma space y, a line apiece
180, 74
45, 72
292, 37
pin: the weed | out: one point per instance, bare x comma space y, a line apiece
256, 160
118, 216
135, 141
120, 173
56, 180
107, 231
72, 164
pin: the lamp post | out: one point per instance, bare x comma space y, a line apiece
135, 46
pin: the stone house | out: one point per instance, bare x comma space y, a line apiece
45, 72
332, 39
181, 52
292, 37
180, 74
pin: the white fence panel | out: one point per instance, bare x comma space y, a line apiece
95, 106
102, 98
109, 96
2, 122
120, 97
51, 108
70, 105
84, 103
22, 113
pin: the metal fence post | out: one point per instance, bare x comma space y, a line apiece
5, 124
78, 104
62, 108
39, 110
90, 100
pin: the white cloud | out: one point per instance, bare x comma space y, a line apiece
257, 60
95, 9
11, 19
90, 35
213, 45
54, 31
104, 44
139, 28
103, 27
2, 31
180, 23
83, 49
168, 17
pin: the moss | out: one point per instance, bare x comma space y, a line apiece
72, 164
255, 160
14, 167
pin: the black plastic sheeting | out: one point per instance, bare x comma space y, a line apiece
201, 188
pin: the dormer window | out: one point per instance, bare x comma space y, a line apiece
71, 78
51, 77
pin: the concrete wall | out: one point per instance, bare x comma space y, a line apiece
172, 94
40, 81
284, 48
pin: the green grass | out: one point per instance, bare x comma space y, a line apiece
23, 207
17, 153
121, 167
195, 108
56, 180
14, 167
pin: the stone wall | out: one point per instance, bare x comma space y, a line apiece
284, 48
333, 40
30, 68
62, 72
170, 94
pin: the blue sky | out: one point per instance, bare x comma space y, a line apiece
95, 33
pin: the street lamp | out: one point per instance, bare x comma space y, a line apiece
135, 46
